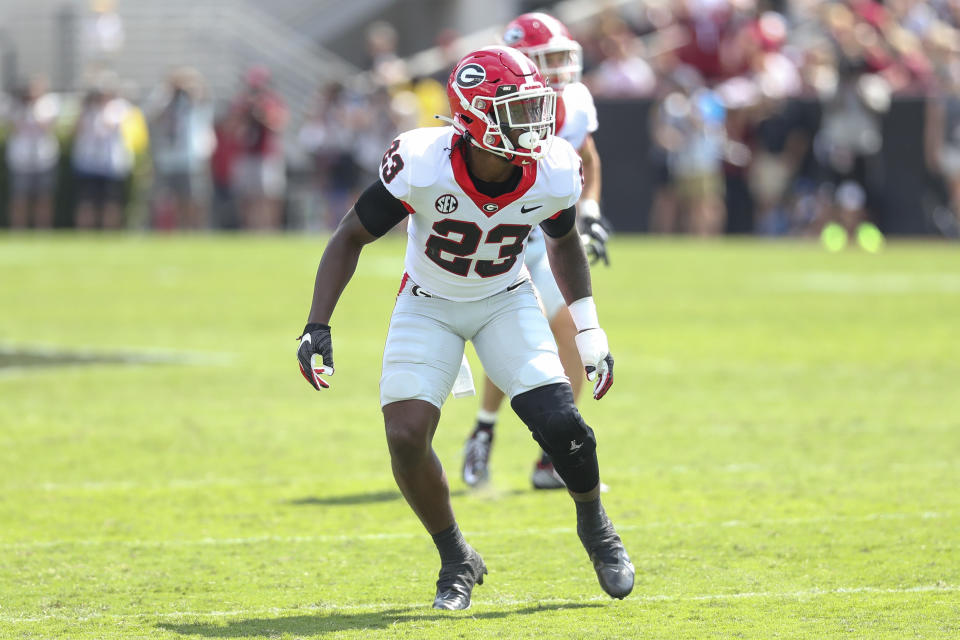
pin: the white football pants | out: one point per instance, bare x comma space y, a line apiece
427, 334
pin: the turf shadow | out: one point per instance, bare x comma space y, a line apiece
348, 499
25, 358
354, 498
322, 624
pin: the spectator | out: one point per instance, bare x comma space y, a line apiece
259, 172
181, 130
377, 126
327, 136
782, 173
942, 145
136, 134
431, 98
623, 72
850, 136
710, 37
388, 68
688, 125
103, 31
222, 161
102, 158
741, 100
33, 152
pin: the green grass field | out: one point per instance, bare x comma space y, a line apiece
782, 445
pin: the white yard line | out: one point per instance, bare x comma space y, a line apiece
481, 602
356, 537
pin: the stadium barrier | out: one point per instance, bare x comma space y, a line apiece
901, 191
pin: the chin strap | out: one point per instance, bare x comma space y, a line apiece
509, 154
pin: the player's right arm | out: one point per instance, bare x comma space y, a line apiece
375, 213
378, 209
337, 265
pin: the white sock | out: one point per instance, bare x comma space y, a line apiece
490, 417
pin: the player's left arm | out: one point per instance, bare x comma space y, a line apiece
594, 228
568, 261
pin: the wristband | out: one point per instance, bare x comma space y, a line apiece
584, 313
590, 209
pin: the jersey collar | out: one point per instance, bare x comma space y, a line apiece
489, 206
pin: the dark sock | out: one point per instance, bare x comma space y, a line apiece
451, 545
484, 426
590, 515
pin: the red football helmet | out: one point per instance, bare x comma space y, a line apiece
497, 91
548, 42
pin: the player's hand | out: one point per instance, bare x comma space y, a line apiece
594, 232
596, 358
595, 244
316, 343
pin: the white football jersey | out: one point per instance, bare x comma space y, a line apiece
577, 117
461, 244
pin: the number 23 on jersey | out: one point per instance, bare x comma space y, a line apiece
469, 240
392, 163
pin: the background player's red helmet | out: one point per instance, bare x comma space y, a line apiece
496, 91
547, 42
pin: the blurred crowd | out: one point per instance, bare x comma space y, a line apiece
767, 115
763, 116
175, 158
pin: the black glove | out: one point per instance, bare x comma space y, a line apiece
315, 341
594, 233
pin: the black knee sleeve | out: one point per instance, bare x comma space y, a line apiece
557, 426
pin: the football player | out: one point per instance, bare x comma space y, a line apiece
558, 56
471, 193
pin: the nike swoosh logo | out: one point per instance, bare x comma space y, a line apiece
523, 208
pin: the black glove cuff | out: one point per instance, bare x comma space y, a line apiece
315, 326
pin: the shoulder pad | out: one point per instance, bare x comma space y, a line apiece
577, 96
562, 171
581, 113
415, 159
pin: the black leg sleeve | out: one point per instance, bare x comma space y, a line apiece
553, 419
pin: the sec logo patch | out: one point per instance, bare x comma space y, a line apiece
447, 203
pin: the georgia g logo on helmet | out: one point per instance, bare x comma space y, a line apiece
470, 75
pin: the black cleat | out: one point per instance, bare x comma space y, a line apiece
456, 581
610, 560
